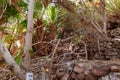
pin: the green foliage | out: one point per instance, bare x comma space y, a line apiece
2, 28
53, 13
18, 58
59, 35
38, 10
31, 51
112, 5
9, 38
23, 23
50, 14
10, 11
23, 5
2, 2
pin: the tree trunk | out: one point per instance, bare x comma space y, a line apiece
28, 37
10, 61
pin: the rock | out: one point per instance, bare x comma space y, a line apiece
78, 69
102, 71
90, 77
74, 75
81, 76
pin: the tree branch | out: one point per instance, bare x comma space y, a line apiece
10, 61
